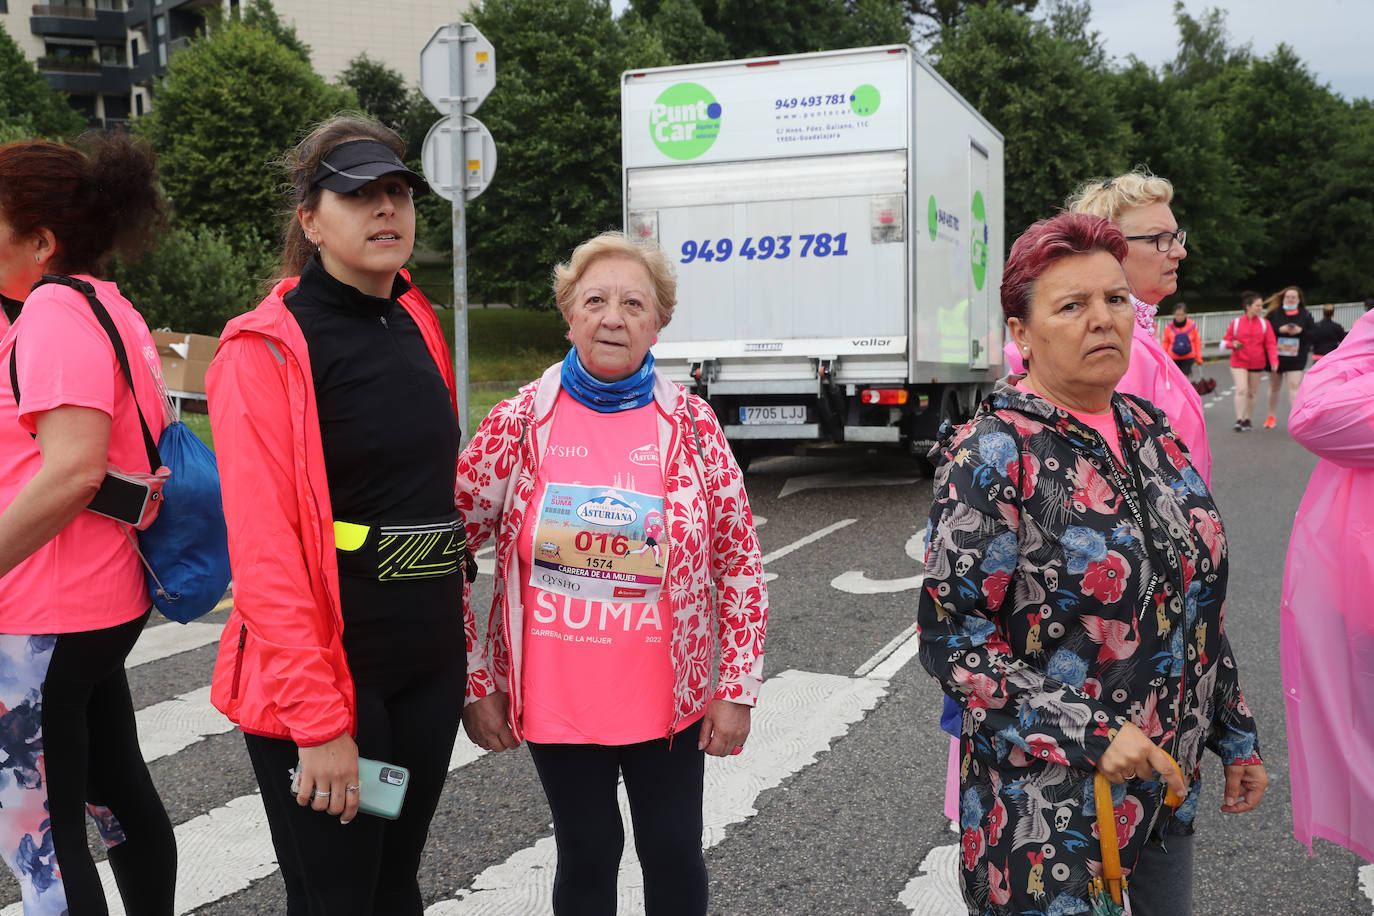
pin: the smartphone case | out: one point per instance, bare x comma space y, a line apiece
381, 787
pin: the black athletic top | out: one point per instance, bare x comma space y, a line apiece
1303, 319
390, 442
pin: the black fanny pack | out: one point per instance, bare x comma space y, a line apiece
396, 551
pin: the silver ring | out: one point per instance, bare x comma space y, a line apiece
352, 789
321, 794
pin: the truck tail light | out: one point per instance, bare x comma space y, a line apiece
896, 396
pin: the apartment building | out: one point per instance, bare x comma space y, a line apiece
106, 54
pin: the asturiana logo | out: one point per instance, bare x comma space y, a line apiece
607, 511
684, 120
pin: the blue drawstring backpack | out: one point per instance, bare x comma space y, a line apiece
185, 551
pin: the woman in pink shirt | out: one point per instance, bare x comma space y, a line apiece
72, 594
626, 630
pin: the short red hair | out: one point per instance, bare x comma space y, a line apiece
1046, 242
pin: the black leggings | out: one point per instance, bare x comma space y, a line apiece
72, 741
368, 866
664, 783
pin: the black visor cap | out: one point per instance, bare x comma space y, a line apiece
354, 163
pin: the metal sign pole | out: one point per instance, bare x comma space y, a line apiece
460, 234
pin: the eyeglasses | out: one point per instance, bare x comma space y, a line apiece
1163, 241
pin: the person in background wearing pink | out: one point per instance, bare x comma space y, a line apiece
1326, 620
73, 599
1182, 341
1251, 341
608, 660
1138, 202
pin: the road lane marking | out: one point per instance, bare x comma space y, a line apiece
936, 891
224, 850
801, 716
809, 539
836, 479
168, 639
895, 649
856, 582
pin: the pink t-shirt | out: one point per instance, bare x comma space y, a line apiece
88, 577
1104, 423
597, 666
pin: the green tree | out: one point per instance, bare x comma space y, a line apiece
1280, 126
1205, 50
192, 280
758, 28
685, 36
1178, 138
936, 16
262, 14
381, 91
555, 115
230, 105
1043, 92
1341, 210
29, 107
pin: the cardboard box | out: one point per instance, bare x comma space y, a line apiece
185, 357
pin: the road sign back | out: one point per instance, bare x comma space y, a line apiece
479, 66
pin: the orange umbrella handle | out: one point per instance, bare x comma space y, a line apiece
1106, 832
1106, 829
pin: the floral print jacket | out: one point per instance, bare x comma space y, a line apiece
718, 641
1050, 620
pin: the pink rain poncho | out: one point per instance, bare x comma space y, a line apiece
1327, 617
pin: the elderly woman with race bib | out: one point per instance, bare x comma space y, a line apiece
1072, 605
606, 657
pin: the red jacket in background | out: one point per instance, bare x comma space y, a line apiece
281, 669
1260, 350
1189, 331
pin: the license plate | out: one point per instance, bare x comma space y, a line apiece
777, 413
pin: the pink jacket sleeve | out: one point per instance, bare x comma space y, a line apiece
275, 592
1271, 344
1334, 414
1153, 375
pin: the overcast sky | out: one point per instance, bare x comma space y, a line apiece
1335, 38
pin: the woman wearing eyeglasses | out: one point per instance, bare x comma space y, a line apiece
1138, 202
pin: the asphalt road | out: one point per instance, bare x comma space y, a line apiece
835, 806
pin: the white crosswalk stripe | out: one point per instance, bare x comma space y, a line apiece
803, 716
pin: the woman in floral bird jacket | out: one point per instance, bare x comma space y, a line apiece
1073, 600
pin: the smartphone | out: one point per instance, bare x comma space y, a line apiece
381, 787
122, 497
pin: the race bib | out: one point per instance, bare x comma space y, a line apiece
1288, 346
600, 544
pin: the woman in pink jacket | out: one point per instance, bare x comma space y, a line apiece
1250, 338
1326, 620
333, 411
606, 658
1138, 203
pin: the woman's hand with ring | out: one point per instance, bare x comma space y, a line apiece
326, 773
724, 728
1132, 755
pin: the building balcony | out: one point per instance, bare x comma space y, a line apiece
59, 21
99, 79
144, 69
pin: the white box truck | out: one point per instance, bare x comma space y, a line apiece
836, 219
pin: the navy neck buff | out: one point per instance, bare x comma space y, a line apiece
635, 390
